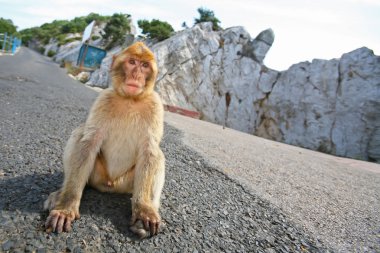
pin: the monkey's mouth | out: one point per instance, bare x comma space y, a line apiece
133, 85
132, 88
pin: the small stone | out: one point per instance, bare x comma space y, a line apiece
28, 249
7, 245
77, 249
41, 250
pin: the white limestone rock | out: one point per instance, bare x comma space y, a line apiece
68, 52
199, 66
301, 106
331, 106
356, 129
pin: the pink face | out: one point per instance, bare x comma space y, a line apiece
136, 73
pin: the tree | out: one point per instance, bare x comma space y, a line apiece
207, 15
117, 28
6, 26
77, 25
95, 16
184, 25
156, 29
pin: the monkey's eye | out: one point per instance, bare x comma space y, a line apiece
145, 65
132, 61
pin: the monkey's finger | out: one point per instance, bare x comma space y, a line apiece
51, 222
67, 226
153, 228
60, 223
157, 227
146, 225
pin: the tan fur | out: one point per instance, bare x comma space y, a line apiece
117, 149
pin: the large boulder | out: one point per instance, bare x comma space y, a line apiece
201, 69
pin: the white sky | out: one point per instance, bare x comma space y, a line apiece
304, 29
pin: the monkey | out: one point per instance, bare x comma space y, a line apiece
117, 148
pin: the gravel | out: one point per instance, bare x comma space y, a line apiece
204, 210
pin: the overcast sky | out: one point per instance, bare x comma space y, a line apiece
304, 29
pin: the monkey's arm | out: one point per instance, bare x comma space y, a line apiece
149, 175
78, 161
149, 167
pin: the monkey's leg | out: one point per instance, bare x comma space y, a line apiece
50, 203
148, 184
99, 178
78, 162
158, 182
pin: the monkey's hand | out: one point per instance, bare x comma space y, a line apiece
145, 221
60, 220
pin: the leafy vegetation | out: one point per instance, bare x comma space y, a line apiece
206, 15
7, 26
156, 29
51, 53
116, 29
60, 28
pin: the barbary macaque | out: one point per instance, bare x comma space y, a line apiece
117, 148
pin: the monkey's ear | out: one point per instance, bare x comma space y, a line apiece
113, 61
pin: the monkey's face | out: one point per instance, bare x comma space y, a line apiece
134, 71
136, 75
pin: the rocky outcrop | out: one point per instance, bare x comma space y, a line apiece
200, 69
68, 52
332, 106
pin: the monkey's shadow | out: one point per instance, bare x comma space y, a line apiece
27, 193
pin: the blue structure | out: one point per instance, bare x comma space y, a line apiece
9, 43
90, 56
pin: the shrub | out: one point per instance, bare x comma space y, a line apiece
6, 26
156, 29
95, 37
51, 53
207, 15
117, 28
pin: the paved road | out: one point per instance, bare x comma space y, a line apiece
336, 199
207, 206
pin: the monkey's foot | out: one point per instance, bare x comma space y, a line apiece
139, 230
60, 220
145, 221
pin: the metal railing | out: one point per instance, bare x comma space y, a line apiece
9, 43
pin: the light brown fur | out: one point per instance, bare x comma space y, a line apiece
117, 149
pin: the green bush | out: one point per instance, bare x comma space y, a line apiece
51, 53
156, 29
207, 15
6, 26
95, 37
116, 29
59, 29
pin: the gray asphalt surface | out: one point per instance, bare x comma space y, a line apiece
204, 210
336, 199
